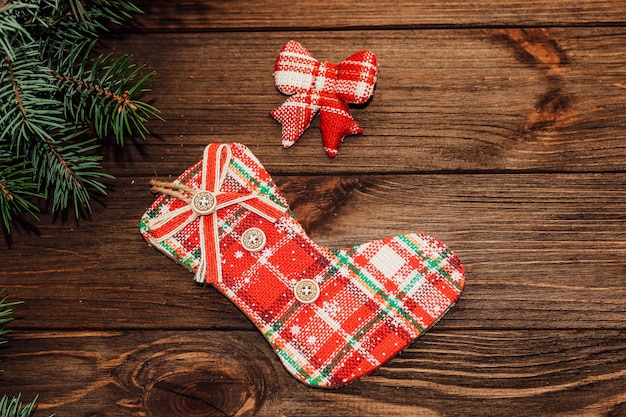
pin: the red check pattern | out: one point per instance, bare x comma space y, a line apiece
375, 298
321, 86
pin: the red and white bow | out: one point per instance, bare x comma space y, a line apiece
322, 86
203, 205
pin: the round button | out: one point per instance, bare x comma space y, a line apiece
203, 202
306, 291
253, 240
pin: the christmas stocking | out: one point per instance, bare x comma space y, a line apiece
331, 315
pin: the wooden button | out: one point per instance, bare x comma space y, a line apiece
203, 202
253, 240
306, 291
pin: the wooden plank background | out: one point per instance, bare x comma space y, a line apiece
498, 127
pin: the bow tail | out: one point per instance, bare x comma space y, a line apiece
335, 124
210, 267
295, 115
165, 226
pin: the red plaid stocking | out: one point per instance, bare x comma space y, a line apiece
332, 316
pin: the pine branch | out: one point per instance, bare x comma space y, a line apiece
14, 408
16, 90
11, 407
27, 94
58, 101
11, 30
5, 313
108, 88
68, 170
16, 187
61, 162
124, 99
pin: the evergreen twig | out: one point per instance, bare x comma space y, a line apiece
6, 310
11, 407
58, 101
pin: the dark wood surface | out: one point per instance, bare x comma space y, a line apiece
498, 127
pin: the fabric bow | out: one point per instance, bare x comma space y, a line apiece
324, 86
202, 206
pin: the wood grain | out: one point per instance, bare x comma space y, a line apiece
447, 100
497, 127
346, 15
527, 241
217, 373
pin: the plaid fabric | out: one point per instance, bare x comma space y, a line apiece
374, 299
323, 87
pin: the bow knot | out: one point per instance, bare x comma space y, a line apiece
202, 206
321, 86
325, 75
